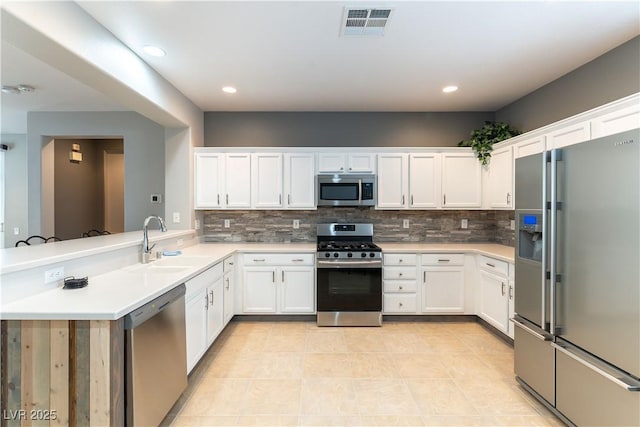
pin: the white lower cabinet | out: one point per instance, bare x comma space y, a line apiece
228, 286
203, 312
442, 283
399, 284
278, 283
494, 292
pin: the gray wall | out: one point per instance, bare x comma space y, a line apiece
425, 226
343, 129
611, 76
79, 186
144, 142
16, 191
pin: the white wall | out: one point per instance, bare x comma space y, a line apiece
64, 36
16, 190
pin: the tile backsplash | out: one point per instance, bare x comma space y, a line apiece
424, 226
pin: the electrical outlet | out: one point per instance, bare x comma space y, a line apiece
179, 242
53, 275
176, 217
197, 224
464, 224
405, 223
512, 224
296, 223
227, 223
16, 231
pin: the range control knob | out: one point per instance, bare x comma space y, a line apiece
335, 254
349, 255
327, 255
363, 254
372, 254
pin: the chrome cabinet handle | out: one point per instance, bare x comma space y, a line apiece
231, 263
288, 199
258, 260
490, 265
341, 168
400, 260
350, 169
282, 276
502, 288
412, 200
218, 198
510, 291
273, 276
444, 260
227, 283
400, 304
444, 199
400, 287
403, 199
297, 260
279, 199
399, 274
508, 198
206, 300
424, 277
227, 199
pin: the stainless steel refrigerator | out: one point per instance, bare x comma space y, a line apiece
577, 277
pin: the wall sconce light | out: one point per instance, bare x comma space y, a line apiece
75, 156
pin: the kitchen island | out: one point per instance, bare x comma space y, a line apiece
63, 350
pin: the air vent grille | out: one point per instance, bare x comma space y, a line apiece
365, 22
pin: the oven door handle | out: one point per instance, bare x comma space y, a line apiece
349, 264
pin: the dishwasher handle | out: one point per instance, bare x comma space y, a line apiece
140, 315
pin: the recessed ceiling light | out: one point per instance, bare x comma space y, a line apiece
229, 89
154, 50
449, 89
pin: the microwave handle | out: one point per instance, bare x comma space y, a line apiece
359, 191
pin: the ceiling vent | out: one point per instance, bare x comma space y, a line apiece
365, 21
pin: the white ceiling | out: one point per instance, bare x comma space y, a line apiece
289, 55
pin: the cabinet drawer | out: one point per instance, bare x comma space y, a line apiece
278, 259
399, 303
400, 259
402, 286
204, 279
401, 273
492, 265
228, 264
443, 259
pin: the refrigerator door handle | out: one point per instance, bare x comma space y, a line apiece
553, 241
530, 331
626, 382
546, 159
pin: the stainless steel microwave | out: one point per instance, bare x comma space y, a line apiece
346, 190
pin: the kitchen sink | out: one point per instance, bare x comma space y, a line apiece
174, 261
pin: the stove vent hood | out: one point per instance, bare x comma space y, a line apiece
365, 21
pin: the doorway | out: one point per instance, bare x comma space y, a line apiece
86, 195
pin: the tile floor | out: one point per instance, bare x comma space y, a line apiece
410, 374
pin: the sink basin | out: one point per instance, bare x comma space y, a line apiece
173, 261
167, 269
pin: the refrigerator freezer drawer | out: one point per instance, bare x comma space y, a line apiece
534, 362
588, 398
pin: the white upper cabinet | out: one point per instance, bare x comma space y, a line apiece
461, 181
393, 179
209, 180
569, 135
266, 173
424, 181
238, 181
299, 181
499, 181
346, 163
529, 146
624, 119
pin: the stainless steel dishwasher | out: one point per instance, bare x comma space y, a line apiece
156, 358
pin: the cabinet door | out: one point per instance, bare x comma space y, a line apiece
511, 311
530, 146
392, 181
209, 180
196, 327
215, 321
443, 290
361, 163
331, 163
266, 175
500, 179
228, 296
299, 181
297, 290
461, 181
569, 135
494, 300
617, 121
424, 181
259, 290
238, 181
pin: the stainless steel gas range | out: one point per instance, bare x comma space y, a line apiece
349, 276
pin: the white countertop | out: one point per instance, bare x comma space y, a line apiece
112, 295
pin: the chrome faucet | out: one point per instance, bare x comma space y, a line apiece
146, 249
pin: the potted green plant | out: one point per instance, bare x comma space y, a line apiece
482, 139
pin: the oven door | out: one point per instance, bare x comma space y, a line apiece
349, 286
